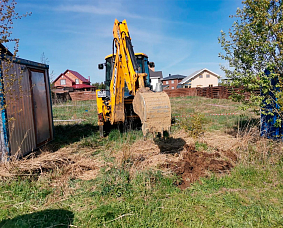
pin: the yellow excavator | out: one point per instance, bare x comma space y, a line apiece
128, 94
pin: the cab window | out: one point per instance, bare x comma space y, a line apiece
108, 73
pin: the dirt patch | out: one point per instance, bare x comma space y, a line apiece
178, 156
193, 164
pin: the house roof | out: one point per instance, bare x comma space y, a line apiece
155, 74
176, 76
64, 76
196, 73
79, 76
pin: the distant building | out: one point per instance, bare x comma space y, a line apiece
172, 81
226, 81
200, 78
72, 80
155, 77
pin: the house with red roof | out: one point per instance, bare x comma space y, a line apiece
72, 80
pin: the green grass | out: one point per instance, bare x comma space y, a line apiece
185, 107
84, 110
245, 198
250, 196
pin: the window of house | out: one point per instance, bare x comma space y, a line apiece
211, 85
172, 87
77, 81
63, 81
200, 76
207, 76
167, 82
172, 82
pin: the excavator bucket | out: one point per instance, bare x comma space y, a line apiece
154, 110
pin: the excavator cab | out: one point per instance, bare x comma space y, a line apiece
143, 67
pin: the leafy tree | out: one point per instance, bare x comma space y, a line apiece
253, 46
99, 85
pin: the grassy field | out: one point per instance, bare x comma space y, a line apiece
81, 180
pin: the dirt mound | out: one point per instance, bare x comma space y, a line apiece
178, 156
193, 164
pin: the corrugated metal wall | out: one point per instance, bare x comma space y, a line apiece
19, 109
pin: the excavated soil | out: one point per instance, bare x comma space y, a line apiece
193, 164
179, 155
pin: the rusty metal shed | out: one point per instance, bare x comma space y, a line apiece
26, 120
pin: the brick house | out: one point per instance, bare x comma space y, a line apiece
172, 81
200, 78
72, 80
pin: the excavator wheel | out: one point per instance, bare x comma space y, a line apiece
154, 110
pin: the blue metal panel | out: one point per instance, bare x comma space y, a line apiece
4, 124
268, 128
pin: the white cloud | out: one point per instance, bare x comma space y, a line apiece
97, 10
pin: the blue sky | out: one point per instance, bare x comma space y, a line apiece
180, 36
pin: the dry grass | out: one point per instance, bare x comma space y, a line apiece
65, 163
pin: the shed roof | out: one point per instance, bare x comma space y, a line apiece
176, 76
196, 73
4, 50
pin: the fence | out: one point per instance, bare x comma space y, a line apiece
83, 96
181, 92
217, 92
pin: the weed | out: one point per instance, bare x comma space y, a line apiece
201, 146
194, 125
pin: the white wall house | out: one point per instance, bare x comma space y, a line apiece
155, 77
200, 78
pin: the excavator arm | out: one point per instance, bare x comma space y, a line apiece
125, 69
